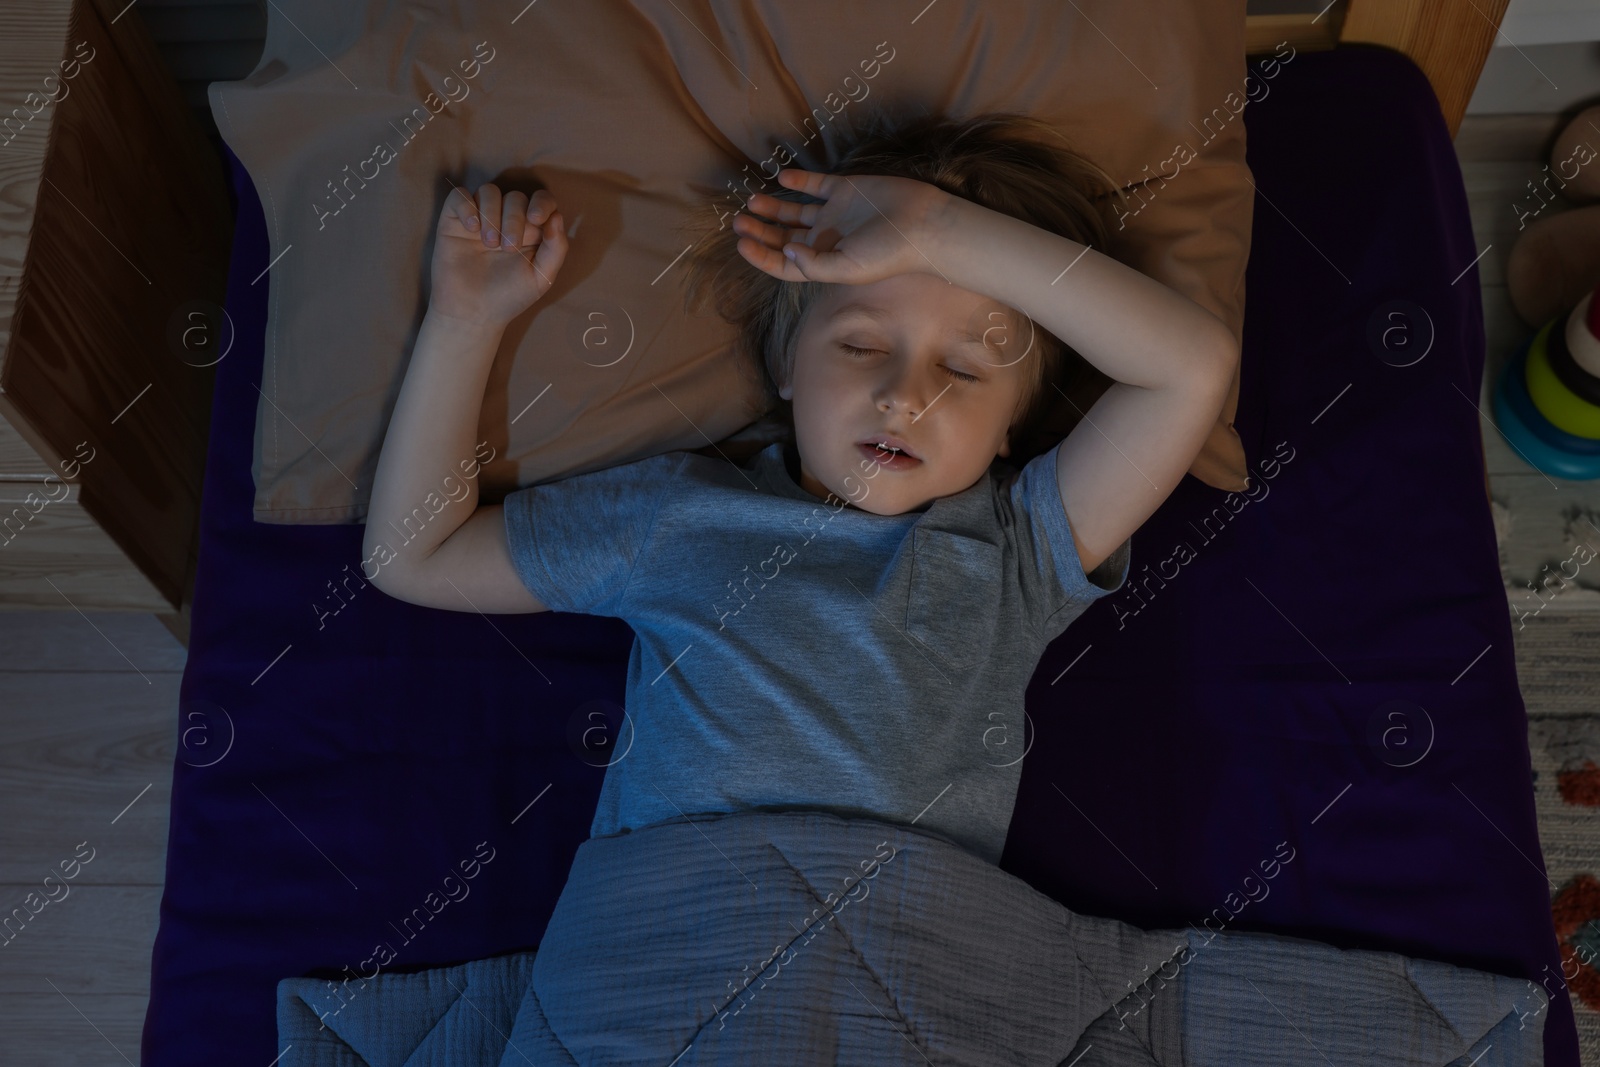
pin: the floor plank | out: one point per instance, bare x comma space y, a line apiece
51, 1029
90, 641
91, 939
85, 774
80, 749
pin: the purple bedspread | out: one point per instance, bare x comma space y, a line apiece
1321, 669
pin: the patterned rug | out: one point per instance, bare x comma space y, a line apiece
1558, 669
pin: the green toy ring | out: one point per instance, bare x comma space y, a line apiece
1565, 409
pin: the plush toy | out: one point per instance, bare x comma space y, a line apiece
1556, 259
1547, 400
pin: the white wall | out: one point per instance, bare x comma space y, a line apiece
1550, 22
1543, 78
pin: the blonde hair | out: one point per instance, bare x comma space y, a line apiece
1007, 162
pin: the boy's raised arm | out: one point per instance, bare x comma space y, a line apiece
1172, 360
430, 542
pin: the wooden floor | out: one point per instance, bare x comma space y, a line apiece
89, 706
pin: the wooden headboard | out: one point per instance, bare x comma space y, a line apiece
1448, 39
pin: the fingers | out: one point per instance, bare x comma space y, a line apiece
540, 205
807, 181
796, 261
513, 215
508, 221
784, 210
552, 247
772, 261
811, 264
489, 207
460, 206
770, 235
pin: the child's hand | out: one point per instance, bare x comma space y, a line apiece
872, 226
491, 258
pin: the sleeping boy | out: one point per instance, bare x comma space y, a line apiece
847, 622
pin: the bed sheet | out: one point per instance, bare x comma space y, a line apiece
1313, 679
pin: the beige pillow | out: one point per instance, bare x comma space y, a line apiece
359, 117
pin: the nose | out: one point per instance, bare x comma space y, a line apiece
903, 388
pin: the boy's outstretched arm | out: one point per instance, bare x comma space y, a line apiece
430, 542
1173, 362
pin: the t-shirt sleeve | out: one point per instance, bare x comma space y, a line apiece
1055, 590
575, 542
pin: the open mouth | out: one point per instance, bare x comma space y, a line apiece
885, 456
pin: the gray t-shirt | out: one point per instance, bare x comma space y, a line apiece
793, 653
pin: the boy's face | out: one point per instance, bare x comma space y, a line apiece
923, 337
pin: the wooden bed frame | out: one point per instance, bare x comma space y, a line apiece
97, 277
1448, 39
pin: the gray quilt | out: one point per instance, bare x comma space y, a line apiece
806, 938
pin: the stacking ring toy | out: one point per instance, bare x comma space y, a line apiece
1582, 383
1560, 405
1521, 405
1545, 399
1533, 448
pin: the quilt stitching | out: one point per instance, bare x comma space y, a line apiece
1448, 1025
433, 1030
1066, 922
910, 1031
360, 1059
550, 1028
701, 1028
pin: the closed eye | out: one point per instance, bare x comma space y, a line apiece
859, 352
